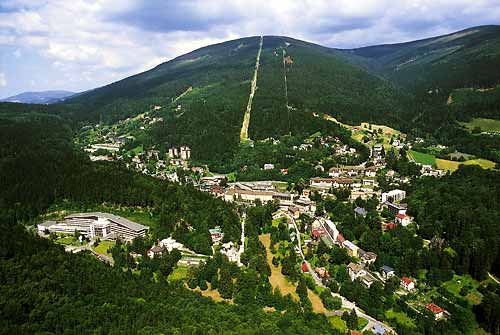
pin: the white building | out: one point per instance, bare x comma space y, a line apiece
394, 195
403, 219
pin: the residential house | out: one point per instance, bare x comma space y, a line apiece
334, 172
395, 208
216, 234
367, 257
352, 249
378, 329
403, 219
388, 226
407, 283
357, 271
360, 212
268, 166
156, 250
185, 153
322, 273
371, 171
438, 312
387, 272
317, 233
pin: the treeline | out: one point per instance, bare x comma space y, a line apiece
463, 210
39, 166
45, 290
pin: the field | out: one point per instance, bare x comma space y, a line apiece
444, 164
420, 157
179, 273
458, 282
489, 125
103, 247
213, 294
401, 318
338, 323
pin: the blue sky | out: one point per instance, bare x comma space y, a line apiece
77, 45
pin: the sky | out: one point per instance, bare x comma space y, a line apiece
77, 45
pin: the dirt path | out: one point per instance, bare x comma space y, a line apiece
253, 88
190, 88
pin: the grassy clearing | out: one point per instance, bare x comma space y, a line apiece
68, 240
420, 157
103, 247
458, 282
316, 302
444, 164
179, 273
277, 279
338, 323
400, 317
489, 125
213, 294
362, 322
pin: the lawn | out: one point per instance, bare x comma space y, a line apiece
444, 164
103, 247
179, 273
400, 317
362, 322
457, 282
337, 323
420, 157
489, 125
68, 240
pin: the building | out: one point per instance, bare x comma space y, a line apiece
357, 271
171, 244
407, 283
403, 219
393, 196
317, 233
436, 310
216, 234
242, 195
388, 226
378, 329
96, 224
360, 211
322, 273
352, 249
328, 183
156, 250
367, 257
387, 272
371, 171
230, 251
395, 208
185, 153
268, 166
330, 227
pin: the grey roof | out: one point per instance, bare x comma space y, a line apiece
387, 269
361, 211
115, 218
48, 223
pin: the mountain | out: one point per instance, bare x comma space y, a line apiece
465, 58
211, 97
44, 97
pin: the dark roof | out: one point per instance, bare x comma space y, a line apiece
387, 269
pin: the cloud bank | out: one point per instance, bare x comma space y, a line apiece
80, 44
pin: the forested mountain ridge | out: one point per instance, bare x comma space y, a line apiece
467, 58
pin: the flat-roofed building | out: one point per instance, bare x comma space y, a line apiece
96, 224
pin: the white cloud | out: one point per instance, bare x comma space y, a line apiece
3, 80
90, 43
17, 53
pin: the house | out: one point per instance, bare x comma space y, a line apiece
334, 172
317, 233
304, 267
371, 171
393, 196
436, 310
230, 251
378, 329
156, 250
216, 234
390, 173
360, 211
352, 249
407, 283
322, 273
403, 219
367, 257
388, 226
331, 228
340, 239
268, 166
369, 182
171, 244
357, 271
185, 152
386, 272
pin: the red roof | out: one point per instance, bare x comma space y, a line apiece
304, 267
340, 238
354, 332
390, 225
318, 232
401, 216
434, 308
406, 280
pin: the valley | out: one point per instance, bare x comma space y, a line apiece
261, 185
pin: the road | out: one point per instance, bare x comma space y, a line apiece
242, 245
345, 303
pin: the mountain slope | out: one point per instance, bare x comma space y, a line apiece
44, 97
462, 59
